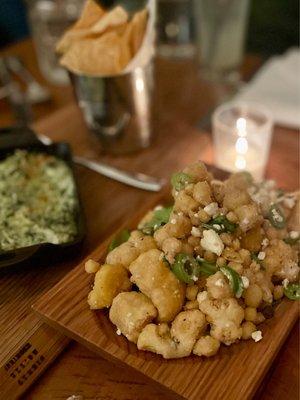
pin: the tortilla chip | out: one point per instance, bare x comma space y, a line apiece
117, 16
91, 13
101, 56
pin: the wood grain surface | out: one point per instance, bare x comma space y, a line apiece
235, 373
181, 100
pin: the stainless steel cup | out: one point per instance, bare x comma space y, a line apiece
118, 109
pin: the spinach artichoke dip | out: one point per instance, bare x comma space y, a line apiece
38, 201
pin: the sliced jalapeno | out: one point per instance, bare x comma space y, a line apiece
185, 268
160, 218
180, 180
235, 280
206, 268
120, 238
292, 291
276, 216
221, 224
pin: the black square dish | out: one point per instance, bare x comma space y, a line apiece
11, 139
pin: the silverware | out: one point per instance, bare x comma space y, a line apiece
35, 93
138, 180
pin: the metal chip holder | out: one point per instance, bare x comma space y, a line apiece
118, 109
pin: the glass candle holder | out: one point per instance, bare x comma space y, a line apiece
242, 134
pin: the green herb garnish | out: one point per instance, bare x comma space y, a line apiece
180, 180
160, 218
121, 237
221, 224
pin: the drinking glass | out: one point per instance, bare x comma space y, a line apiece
175, 28
220, 35
242, 134
48, 20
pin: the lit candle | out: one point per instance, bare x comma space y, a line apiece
242, 138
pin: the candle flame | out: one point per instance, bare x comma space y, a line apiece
241, 127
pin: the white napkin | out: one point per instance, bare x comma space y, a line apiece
146, 51
277, 86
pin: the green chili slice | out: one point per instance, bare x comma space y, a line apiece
180, 180
185, 268
221, 224
235, 280
276, 216
160, 218
292, 291
206, 268
120, 238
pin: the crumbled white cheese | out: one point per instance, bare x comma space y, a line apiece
256, 336
118, 332
285, 283
159, 207
289, 202
265, 242
211, 209
294, 235
219, 283
195, 278
217, 227
276, 216
261, 255
195, 232
245, 281
202, 296
211, 241
173, 221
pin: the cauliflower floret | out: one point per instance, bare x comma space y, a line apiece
186, 328
178, 227
130, 250
185, 203
179, 341
109, 281
202, 193
197, 171
206, 346
151, 274
218, 286
248, 216
171, 247
235, 197
211, 241
225, 317
281, 260
131, 312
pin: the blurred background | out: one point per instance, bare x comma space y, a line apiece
228, 40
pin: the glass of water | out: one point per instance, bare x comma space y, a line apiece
48, 20
175, 29
220, 35
242, 134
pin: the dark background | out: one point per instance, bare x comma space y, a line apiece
273, 25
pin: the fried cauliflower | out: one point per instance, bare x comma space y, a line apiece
203, 272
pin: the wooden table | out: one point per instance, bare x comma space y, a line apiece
181, 100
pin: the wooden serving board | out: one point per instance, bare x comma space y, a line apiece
235, 373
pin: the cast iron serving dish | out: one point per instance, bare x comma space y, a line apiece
13, 138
